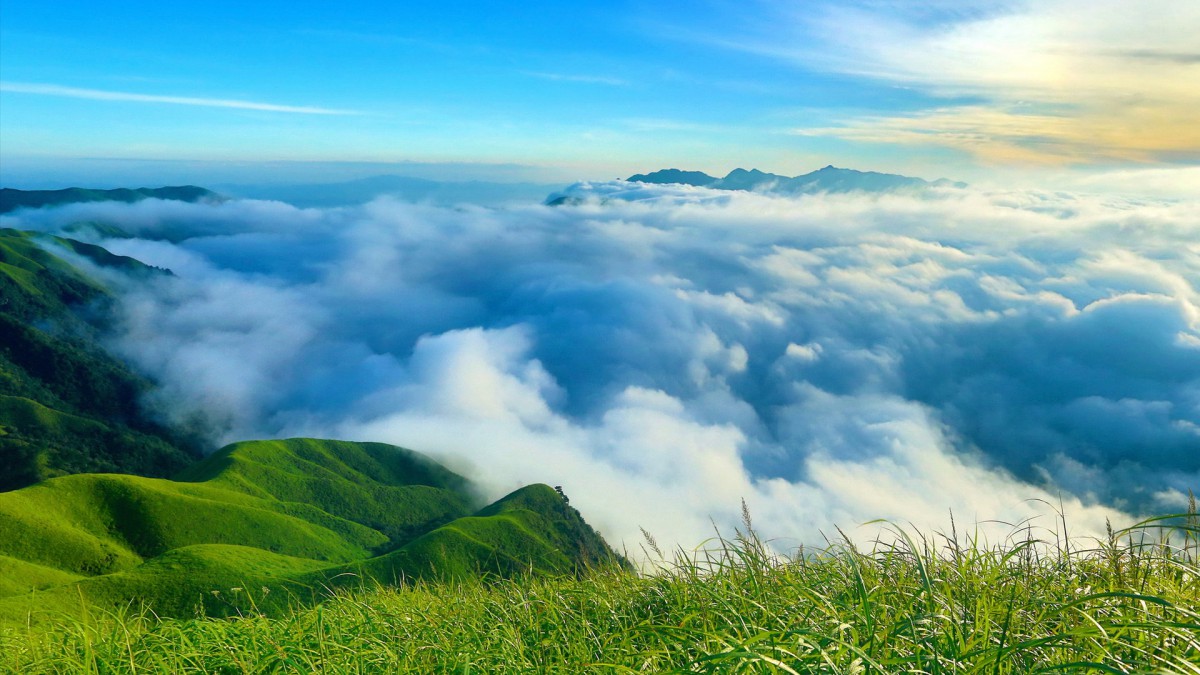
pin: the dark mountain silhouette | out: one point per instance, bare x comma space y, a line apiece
662, 176
12, 199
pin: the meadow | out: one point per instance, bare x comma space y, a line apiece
945, 602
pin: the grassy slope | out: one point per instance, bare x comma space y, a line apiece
517, 533
47, 283
19, 576
55, 379
294, 516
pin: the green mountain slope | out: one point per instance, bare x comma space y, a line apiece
295, 517
396, 492
11, 199
66, 406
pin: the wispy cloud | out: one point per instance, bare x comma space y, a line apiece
102, 95
584, 79
1004, 133
652, 124
1183, 58
390, 39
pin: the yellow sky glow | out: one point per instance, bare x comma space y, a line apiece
1059, 82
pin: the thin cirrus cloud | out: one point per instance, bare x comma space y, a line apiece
581, 79
1008, 134
104, 95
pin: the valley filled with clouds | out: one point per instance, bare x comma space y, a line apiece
663, 352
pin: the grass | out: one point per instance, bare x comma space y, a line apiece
931, 604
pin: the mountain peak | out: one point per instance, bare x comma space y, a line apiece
669, 176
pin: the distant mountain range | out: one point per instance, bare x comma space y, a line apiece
12, 199
348, 193
828, 179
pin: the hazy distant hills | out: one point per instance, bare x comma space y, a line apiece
828, 179
303, 195
482, 193
12, 199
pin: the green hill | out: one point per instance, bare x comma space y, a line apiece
11, 199
66, 406
295, 517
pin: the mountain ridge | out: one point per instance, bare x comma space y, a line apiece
12, 199
825, 179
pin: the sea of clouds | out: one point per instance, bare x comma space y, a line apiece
664, 352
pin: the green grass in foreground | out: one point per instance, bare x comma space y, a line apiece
921, 604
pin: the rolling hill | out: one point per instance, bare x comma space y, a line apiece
289, 519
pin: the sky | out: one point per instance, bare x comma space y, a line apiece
1095, 95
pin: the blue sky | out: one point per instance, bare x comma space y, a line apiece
595, 90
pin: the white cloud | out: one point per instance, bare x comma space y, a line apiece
1168, 182
808, 352
583, 79
663, 352
103, 95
